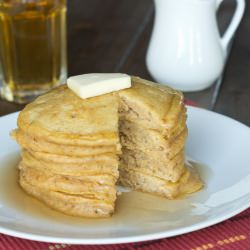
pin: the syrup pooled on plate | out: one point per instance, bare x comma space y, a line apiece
131, 206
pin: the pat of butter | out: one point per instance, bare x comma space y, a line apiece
95, 84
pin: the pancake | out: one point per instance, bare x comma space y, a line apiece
134, 137
43, 146
75, 205
188, 183
168, 169
108, 158
95, 187
62, 117
153, 106
76, 169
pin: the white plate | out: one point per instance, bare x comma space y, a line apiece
220, 143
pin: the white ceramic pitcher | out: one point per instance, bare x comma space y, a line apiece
186, 50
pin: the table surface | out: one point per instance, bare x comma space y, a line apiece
113, 37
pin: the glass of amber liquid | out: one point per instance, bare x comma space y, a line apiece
32, 47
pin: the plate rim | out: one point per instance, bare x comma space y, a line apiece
122, 240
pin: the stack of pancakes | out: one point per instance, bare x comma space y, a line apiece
153, 132
70, 151
71, 147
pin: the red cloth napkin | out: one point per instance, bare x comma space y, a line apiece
230, 234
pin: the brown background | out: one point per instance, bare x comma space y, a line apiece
112, 36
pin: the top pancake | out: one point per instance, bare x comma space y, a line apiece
60, 116
157, 106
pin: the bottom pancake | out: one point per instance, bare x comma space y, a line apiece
189, 182
75, 205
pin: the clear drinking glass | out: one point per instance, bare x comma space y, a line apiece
32, 47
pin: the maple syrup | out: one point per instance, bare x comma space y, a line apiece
131, 207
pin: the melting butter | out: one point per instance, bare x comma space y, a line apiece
95, 84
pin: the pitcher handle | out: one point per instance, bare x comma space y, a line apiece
231, 29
